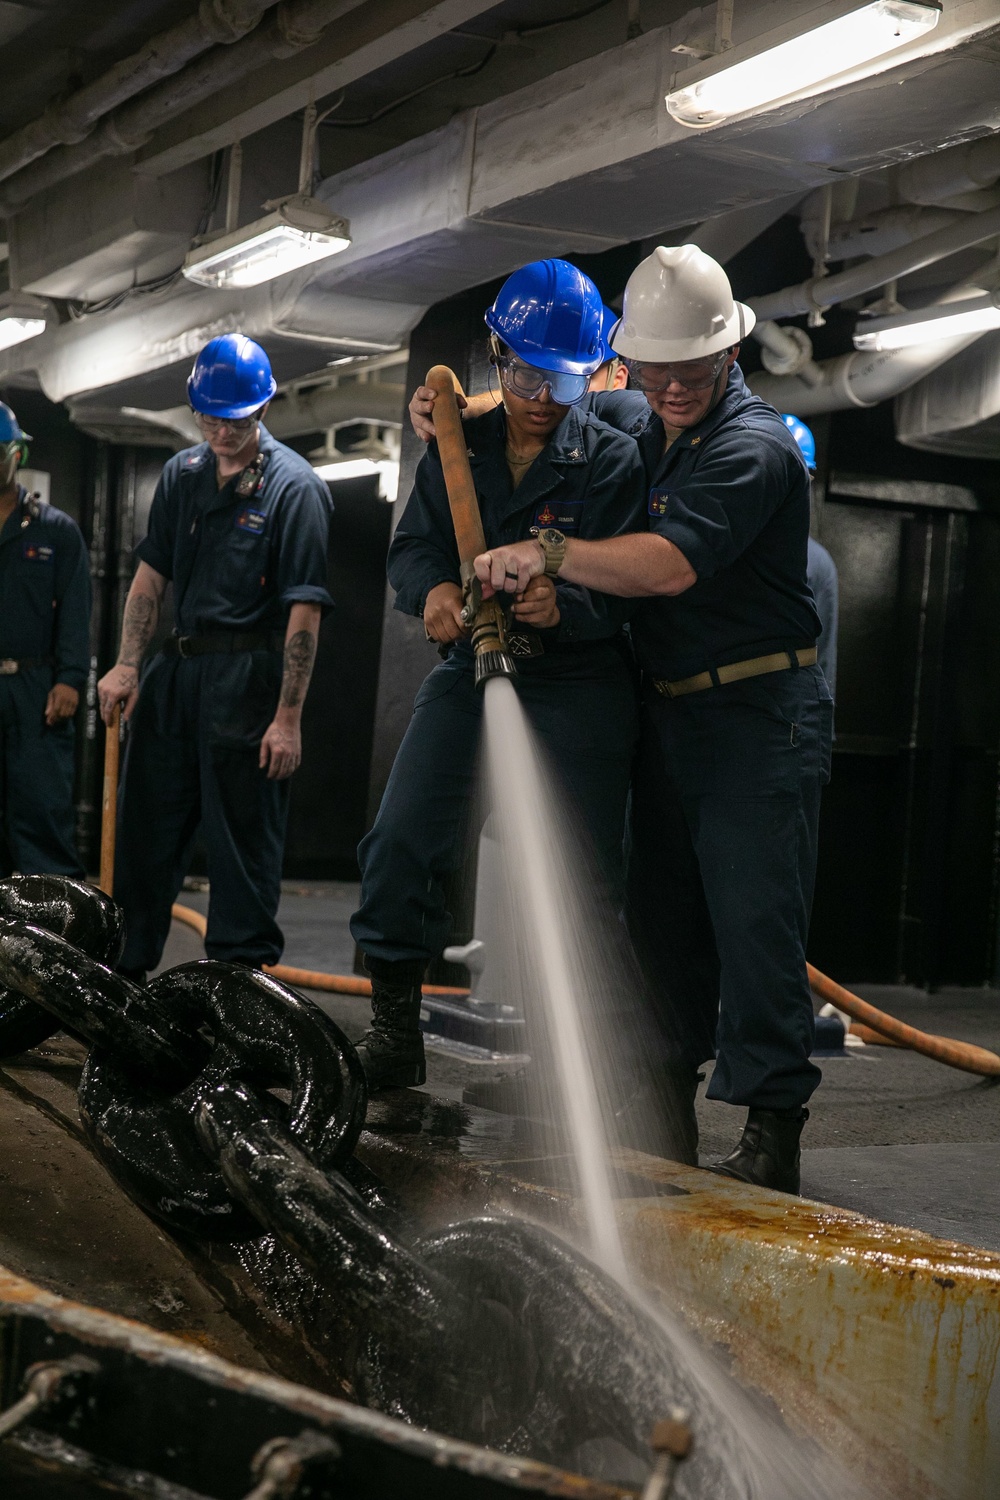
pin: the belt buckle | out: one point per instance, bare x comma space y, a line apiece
183, 644
8, 666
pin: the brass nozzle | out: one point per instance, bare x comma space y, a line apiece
489, 643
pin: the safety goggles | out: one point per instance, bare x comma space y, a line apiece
528, 381
216, 424
692, 374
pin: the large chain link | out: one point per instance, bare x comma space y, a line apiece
84, 917
226, 1104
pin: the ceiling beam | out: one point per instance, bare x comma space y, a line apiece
361, 42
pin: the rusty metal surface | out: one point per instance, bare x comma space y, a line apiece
881, 1342
128, 1354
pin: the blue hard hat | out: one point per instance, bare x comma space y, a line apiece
231, 378
10, 427
608, 320
549, 314
800, 432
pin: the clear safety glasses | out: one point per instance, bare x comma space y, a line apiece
215, 424
528, 381
692, 374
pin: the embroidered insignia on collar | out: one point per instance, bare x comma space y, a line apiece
695, 441
574, 453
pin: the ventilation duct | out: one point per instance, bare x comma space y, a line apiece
956, 408
575, 162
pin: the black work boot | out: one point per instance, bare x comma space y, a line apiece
768, 1152
392, 1050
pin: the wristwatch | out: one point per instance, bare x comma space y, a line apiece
553, 544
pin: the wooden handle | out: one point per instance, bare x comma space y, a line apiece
462, 496
109, 804
956, 1054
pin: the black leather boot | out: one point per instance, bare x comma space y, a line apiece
392, 1050
768, 1152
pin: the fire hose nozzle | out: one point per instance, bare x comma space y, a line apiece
472, 591
489, 644
483, 617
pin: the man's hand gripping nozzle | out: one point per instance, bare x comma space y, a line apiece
484, 617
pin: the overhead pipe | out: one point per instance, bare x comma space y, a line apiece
787, 351
887, 229
864, 377
820, 292
295, 25
289, 415
333, 406
68, 123
955, 173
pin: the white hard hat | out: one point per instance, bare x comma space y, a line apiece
679, 305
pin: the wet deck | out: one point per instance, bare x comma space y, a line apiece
891, 1133
822, 1311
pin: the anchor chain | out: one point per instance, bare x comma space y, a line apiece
74, 911
227, 1105
155, 1051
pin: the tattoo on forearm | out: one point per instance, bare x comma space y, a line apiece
300, 651
138, 626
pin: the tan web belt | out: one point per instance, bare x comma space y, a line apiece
757, 666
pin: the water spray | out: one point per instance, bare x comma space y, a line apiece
483, 617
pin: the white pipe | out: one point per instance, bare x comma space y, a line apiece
787, 351
298, 24
951, 173
825, 291
887, 229
864, 377
336, 406
290, 414
214, 21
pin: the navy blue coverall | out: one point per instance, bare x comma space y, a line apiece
45, 629
726, 790
194, 739
825, 585
579, 694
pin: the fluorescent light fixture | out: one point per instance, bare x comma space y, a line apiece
300, 230
347, 468
947, 320
357, 468
21, 317
16, 330
808, 62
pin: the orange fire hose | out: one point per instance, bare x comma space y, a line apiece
109, 801
309, 979
453, 452
874, 1025
484, 617
942, 1049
